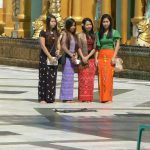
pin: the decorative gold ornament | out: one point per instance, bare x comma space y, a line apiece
37, 27
55, 9
143, 38
3, 35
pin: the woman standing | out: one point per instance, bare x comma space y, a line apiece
69, 46
87, 67
108, 44
48, 73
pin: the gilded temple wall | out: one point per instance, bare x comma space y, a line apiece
126, 14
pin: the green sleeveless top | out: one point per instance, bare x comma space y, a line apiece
107, 43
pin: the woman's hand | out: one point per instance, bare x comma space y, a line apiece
57, 53
96, 62
73, 58
113, 61
53, 60
85, 59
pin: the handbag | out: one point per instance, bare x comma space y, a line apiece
118, 65
62, 59
49, 63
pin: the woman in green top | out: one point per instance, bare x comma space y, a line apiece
108, 44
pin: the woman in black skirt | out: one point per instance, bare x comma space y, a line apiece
48, 72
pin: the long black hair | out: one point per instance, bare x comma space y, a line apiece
68, 24
48, 19
91, 33
102, 29
49, 29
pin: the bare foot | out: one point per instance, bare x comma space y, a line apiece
43, 102
106, 102
84, 101
89, 101
109, 102
70, 101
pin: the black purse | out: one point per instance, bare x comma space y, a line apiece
62, 59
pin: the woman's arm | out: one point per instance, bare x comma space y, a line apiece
58, 50
64, 46
80, 53
42, 43
84, 58
80, 46
91, 53
96, 58
117, 47
96, 47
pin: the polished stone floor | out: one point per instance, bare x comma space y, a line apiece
27, 125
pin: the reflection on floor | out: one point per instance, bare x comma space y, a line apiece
27, 125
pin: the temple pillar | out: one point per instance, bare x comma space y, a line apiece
66, 6
44, 9
9, 25
21, 14
124, 23
24, 19
106, 7
138, 16
2, 23
138, 10
77, 10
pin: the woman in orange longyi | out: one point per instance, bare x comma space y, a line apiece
108, 44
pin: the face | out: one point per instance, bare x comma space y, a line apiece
53, 23
88, 26
106, 23
72, 28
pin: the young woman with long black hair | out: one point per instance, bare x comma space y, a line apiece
47, 72
108, 44
69, 46
87, 66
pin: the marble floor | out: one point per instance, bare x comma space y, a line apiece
27, 125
